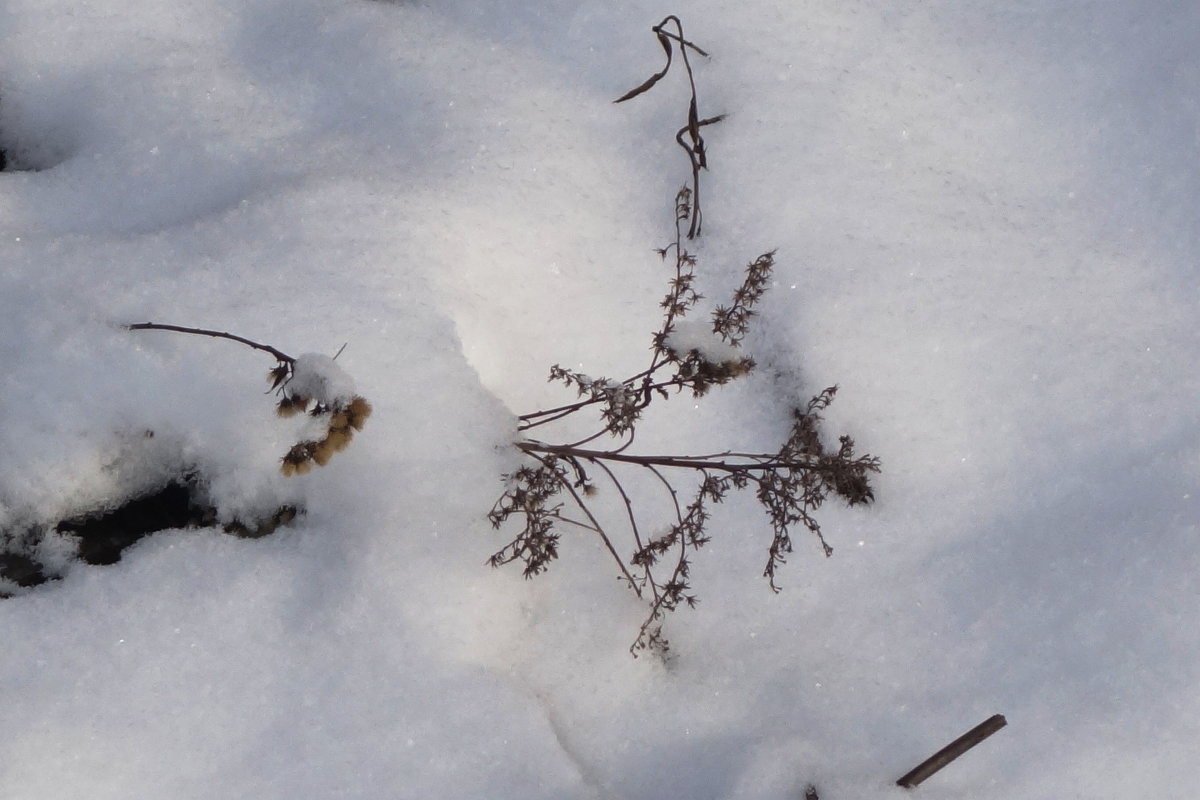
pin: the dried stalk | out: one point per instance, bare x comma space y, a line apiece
941, 758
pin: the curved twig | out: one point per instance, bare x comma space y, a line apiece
598, 527
266, 348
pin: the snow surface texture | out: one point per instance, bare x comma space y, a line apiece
985, 216
695, 335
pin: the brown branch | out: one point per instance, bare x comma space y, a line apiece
766, 461
536, 418
695, 149
154, 326
698, 156
597, 527
633, 526
952, 751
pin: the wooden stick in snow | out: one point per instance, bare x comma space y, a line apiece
952, 751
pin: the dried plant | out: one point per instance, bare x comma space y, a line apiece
309, 384
557, 486
688, 137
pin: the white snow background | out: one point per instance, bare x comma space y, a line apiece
986, 221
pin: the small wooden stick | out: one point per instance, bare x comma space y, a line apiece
952, 751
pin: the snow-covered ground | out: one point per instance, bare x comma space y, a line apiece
986, 221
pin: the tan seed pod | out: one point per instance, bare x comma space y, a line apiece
304, 467
288, 468
338, 440
322, 453
359, 410
339, 421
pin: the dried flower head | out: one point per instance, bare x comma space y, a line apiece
357, 412
341, 420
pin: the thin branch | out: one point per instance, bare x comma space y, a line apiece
633, 526
698, 155
575, 522
767, 462
671, 489
629, 441
694, 147
535, 418
678, 37
598, 527
591, 438
559, 413
154, 326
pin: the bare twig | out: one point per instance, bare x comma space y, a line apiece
755, 462
952, 751
688, 136
600, 531
154, 326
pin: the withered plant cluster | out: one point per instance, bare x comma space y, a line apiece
558, 484
339, 416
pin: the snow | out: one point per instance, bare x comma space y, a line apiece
318, 377
984, 217
695, 335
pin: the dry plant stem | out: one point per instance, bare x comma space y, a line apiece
155, 326
633, 526
676, 305
679, 300
942, 757
599, 530
761, 462
660, 598
696, 154
694, 143
536, 418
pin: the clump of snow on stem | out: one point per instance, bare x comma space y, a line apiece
319, 378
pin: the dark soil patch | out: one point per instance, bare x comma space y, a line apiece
102, 536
